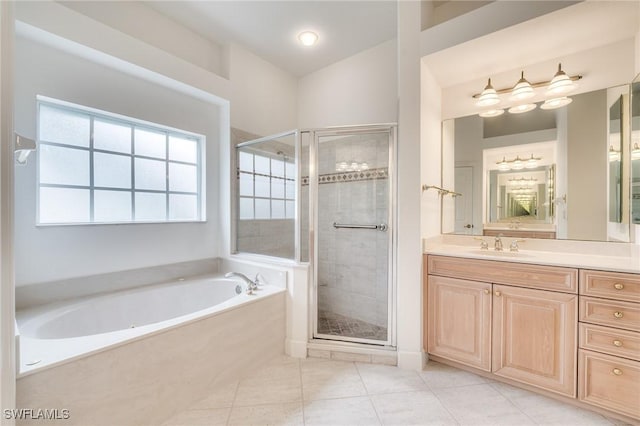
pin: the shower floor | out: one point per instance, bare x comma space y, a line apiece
340, 325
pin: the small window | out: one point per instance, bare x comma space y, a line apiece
99, 167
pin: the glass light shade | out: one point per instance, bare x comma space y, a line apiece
491, 113
488, 97
532, 163
556, 103
503, 165
308, 38
522, 89
561, 83
519, 109
518, 164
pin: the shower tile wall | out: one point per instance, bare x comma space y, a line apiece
353, 263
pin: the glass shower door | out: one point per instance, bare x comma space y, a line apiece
353, 235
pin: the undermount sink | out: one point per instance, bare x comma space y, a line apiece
504, 253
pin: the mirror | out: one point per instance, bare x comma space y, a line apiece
635, 151
615, 161
545, 173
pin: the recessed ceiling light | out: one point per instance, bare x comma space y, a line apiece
308, 38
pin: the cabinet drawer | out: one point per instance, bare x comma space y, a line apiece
609, 382
610, 312
611, 285
610, 340
509, 273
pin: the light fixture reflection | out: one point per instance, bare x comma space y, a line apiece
491, 113
556, 103
519, 109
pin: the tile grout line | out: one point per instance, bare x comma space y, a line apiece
512, 403
301, 391
368, 394
455, 419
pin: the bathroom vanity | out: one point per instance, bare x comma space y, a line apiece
552, 322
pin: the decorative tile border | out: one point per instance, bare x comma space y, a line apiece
381, 173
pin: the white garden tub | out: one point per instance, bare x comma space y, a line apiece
60, 332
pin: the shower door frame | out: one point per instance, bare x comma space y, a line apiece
314, 134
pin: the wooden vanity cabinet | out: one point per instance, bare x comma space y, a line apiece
523, 334
609, 355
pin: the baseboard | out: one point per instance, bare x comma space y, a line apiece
411, 360
295, 348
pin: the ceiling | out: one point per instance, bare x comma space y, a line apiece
270, 28
602, 50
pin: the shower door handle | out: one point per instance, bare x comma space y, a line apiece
382, 227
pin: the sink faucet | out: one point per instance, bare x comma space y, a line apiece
251, 284
498, 243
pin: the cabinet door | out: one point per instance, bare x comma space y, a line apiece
459, 325
534, 337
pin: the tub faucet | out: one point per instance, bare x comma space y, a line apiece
251, 284
498, 243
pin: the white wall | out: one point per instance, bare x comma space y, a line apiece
58, 252
145, 24
431, 146
263, 97
361, 89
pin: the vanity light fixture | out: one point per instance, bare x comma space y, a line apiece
488, 97
519, 109
522, 89
308, 38
556, 103
560, 84
518, 164
532, 162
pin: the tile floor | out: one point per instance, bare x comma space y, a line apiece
318, 391
340, 325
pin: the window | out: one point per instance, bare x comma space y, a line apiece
266, 186
98, 167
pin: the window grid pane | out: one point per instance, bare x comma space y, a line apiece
121, 174
266, 187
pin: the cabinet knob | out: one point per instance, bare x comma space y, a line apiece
498, 293
487, 291
617, 343
618, 314
618, 286
617, 371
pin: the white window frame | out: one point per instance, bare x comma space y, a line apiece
134, 124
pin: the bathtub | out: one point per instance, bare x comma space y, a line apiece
183, 334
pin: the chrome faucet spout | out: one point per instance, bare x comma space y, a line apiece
251, 284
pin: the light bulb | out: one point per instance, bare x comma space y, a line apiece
308, 38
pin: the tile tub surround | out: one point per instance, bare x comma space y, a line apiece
329, 392
605, 256
150, 379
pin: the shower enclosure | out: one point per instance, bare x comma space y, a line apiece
326, 196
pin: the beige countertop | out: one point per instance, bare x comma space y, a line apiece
621, 257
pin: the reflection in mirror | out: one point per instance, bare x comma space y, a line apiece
635, 150
520, 199
572, 203
615, 161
